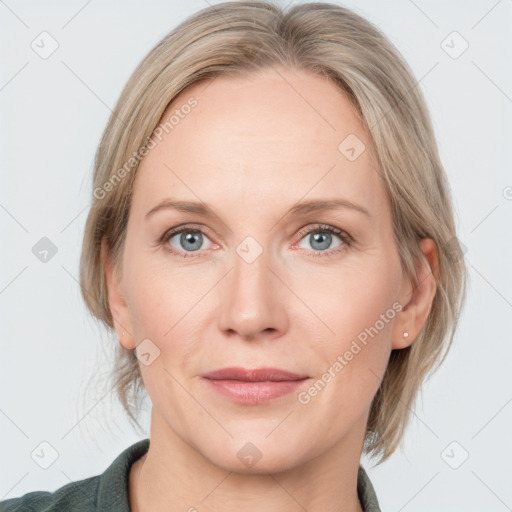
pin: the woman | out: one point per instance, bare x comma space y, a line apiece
271, 236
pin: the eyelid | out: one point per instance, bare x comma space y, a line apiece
345, 237
175, 230
319, 227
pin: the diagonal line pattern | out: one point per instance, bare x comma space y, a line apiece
403, 506
508, 508
14, 76
424, 14
492, 211
84, 416
286, 491
83, 491
13, 13
491, 80
73, 219
71, 71
76, 14
485, 15
14, 423
488, 282
13, 279
501, 408
280, 423
14, 218
213, 490
10, 490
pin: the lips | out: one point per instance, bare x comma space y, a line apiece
253, 386
253, 375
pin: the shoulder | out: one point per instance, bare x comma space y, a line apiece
80, 495
107, 491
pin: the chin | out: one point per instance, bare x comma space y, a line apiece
259, 456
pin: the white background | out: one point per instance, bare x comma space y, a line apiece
52, 114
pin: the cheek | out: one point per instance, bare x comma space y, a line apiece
168, 305
352, 298
160, 293
359, 309
160, 308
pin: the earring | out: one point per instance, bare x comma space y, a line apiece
406, 334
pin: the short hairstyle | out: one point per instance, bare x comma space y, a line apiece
235, 39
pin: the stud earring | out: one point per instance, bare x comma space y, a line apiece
406, 334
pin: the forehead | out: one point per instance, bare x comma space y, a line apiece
269, 138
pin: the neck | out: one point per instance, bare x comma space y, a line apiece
173, 475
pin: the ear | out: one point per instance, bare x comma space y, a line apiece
116, 301
416, 299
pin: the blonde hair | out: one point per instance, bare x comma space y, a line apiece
235, 38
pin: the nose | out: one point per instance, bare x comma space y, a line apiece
253, 300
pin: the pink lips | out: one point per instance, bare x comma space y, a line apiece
253, 386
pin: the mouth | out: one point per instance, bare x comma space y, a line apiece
253, 386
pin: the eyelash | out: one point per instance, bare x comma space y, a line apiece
319, 228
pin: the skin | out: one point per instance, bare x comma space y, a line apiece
251, 149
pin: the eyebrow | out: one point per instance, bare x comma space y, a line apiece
299, 209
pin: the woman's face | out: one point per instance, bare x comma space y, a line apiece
255, 280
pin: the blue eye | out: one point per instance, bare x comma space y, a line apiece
320, 237
319, 240
187, 239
